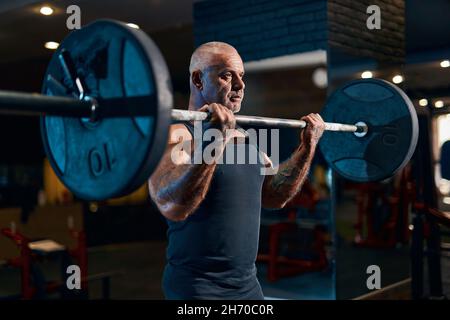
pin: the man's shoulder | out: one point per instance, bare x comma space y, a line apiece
178, 132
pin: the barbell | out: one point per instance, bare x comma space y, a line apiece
107, 104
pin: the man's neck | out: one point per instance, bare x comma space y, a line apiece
195, 103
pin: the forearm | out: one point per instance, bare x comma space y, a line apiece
278, 189
178, 187
183, 188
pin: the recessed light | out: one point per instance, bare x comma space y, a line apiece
133, 25
445, 63
423, 102
439, 104
46, 11
320, 78
51, 45
366, 75
397, 79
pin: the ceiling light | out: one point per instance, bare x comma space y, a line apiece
397, 79
51, 45
445, 63
46, 11
439, 104
133, 25
366, 75
423, 102
320, 78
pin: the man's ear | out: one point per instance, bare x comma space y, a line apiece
197, 79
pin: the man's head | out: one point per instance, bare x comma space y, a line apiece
216, 76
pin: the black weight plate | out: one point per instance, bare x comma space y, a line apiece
392, 136
113, 156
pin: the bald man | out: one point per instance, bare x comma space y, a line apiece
213, 209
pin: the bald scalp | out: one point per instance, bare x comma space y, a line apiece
208, 53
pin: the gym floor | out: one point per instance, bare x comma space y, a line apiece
140, 265
138, 268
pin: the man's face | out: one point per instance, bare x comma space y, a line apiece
223, 81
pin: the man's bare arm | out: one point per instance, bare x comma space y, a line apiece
178, 189
279, 188
177, 186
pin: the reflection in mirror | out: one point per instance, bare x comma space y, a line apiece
379, 224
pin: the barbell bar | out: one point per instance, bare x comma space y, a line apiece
107, 104
187, 115
19, 103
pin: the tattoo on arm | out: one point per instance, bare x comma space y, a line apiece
290, 177
178, 189
190, 184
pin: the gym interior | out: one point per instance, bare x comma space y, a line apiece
345, 235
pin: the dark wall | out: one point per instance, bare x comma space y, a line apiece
348, 30
263, 28
20, 139
286, 93
177, 45
427, 25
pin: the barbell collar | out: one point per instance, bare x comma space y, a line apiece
69, 69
